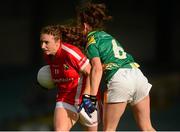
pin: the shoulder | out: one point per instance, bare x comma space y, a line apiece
98, 35
69, 47
72, 50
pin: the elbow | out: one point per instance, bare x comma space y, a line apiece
97, 69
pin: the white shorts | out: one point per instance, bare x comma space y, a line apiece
83, 118
127, 85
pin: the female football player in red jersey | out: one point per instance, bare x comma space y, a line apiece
70, 70
125, 81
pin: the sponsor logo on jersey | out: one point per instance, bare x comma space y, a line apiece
109, 66
63, 80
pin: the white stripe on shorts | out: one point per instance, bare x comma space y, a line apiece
65, 105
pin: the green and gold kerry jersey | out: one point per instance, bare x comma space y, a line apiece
112, 55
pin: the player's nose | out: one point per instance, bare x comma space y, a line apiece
43, 46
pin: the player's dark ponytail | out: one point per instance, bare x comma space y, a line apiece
72, 35
93, 14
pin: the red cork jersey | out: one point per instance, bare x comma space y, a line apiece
65, 69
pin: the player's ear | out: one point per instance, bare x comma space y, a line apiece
85, 26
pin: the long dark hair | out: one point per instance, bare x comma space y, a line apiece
71, 34
94, 14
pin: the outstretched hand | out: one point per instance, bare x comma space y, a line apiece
87, 104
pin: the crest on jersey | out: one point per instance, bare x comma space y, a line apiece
66, 67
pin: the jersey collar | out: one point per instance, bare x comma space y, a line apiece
90, 33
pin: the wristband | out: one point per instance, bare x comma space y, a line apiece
93, 99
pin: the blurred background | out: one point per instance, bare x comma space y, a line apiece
148, 29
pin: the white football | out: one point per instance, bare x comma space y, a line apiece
44, 77
86, 120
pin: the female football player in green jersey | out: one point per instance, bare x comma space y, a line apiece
125, 82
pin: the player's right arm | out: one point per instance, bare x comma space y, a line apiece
93, 54
88, 101
88, 89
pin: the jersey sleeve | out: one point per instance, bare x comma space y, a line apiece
92, 50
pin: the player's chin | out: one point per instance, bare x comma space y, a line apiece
47, 52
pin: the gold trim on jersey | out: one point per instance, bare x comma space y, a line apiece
111, 66
91, 40
134, 65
